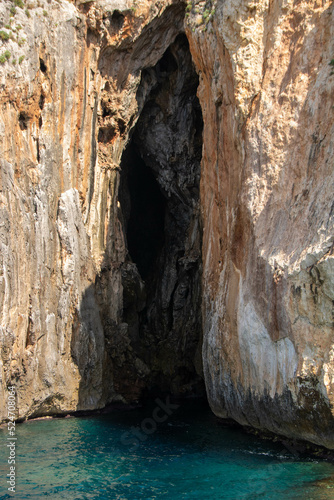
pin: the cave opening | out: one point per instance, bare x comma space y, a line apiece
160, 212
144, 209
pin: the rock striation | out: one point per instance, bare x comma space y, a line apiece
166, 207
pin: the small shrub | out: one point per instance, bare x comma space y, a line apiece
21, 59
14, 61
3, 59
21, 42
19, 3
8, 27
206, 14
12, 11
332, 70
27, 13
7, 55
19, 27
4, 35
45, 14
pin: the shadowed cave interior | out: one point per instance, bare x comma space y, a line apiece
159, 199
145, 213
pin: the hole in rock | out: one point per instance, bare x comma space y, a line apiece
23, 121
117, 19
42, 66
41, 101
37, 151
121, 126
106, 134
105, 111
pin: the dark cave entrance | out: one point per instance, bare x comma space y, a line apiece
144, 206
159, 200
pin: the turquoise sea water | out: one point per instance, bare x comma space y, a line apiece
189, 455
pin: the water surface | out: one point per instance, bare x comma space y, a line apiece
189, 455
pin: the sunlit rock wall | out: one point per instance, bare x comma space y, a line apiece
267, 198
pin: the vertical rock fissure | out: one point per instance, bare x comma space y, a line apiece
159, 199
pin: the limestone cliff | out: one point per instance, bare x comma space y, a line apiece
142, 226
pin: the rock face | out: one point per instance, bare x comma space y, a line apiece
141, 226
267, 201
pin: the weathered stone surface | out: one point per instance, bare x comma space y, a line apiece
68, 110
267, 189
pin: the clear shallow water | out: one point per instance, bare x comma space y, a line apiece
189, 456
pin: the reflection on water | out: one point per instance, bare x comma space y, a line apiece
189, 456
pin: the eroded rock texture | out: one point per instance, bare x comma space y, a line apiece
101, 143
